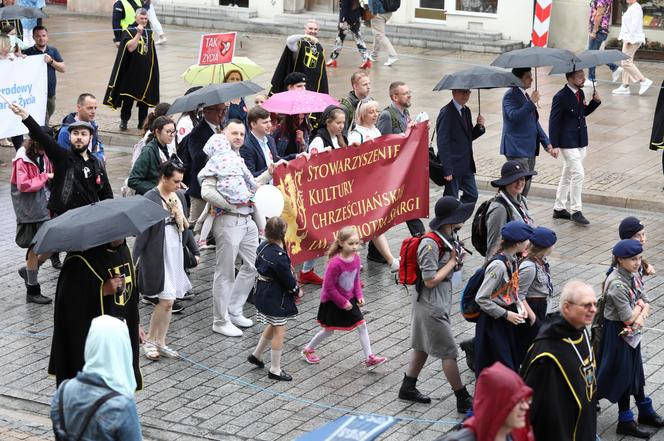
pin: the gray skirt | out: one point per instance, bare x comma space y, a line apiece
431, 331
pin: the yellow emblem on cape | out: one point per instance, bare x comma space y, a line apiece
310, 57
142, 47
121, 298
293, 211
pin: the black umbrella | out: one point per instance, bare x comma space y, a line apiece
534, 57
13, 12
589, 58
479, 77
96, 224
212, 95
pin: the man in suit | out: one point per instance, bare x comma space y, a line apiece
569, 132
395, 119
259, 149
522, 132
195, 158
455, 136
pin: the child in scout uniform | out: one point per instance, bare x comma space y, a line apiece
497, 297
438, 257
625, 310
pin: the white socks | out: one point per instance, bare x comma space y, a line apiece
318, 338
363, 331
263, 343
275, 361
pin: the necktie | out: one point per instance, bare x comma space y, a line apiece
527, 96
578, 96
465, 116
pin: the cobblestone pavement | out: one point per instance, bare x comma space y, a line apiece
214, 393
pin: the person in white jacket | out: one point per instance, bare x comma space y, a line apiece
632, 36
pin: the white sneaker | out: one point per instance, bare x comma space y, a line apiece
622, 90
228, 329
645, 85
241, 321
394, 267
390, 61
617, 74
588, 83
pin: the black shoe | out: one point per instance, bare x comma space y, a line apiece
149, 300
55, 261
561, 214
253, 360
652, 420
283, 376
123, 126
464, 401
374, 255
409, 392
632, 429
23, 272
34, 295
468, 346
177, 307
580, 219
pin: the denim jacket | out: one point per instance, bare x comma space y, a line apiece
376, 7
116, 419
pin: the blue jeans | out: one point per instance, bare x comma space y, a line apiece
465, 183
594, 44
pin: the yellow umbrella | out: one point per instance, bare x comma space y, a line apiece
197, 75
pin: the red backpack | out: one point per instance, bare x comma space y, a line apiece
409, 269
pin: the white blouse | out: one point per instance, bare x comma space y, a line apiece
631, 29
362, 134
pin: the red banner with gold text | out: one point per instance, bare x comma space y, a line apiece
375, 186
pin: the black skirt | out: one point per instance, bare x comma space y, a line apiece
620, 370
495, 340
330, 316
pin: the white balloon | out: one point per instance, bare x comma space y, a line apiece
269, 201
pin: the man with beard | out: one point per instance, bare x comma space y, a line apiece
135, 75
560, 366
86, 110
303, 53
79, 177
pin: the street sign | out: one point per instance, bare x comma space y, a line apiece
217, 48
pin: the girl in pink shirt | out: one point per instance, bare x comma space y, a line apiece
341, 297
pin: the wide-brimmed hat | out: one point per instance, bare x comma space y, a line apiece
510, 172
449, 211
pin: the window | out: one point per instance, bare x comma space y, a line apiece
653, 13
485, 6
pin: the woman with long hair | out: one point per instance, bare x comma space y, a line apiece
237, 108
144, 173
292, 135
330, 130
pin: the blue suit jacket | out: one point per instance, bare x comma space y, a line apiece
522, 133
252, 153
194, 157
455, 141
567, 121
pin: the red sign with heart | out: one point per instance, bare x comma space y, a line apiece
217, 48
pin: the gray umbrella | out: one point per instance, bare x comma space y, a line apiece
212, 95
534, 57
96, 224
589, 58
14, 12
478, 77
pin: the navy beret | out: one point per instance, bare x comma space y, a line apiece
516, 231
627, 248
629, 227
543, 237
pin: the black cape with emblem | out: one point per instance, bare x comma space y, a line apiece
564, 403
309, 59
79, 299
657, 134
135, 74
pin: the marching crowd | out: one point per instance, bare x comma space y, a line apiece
539, 375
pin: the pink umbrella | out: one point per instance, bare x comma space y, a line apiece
294, 102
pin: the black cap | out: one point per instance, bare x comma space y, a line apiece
295, 78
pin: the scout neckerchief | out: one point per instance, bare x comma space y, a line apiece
547, 272
521, 209
587, 370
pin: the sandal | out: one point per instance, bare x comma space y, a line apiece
151, 352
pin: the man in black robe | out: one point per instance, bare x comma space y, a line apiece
657, 134
135, 75
98, 281
560, 367
303, 53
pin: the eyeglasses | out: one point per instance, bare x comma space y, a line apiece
587, 306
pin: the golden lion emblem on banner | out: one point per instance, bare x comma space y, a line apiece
293, 210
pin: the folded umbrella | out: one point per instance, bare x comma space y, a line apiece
14, 11
478, 77
92, 225
534, 57
212, 95
589, 58
197, 75
295, 102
